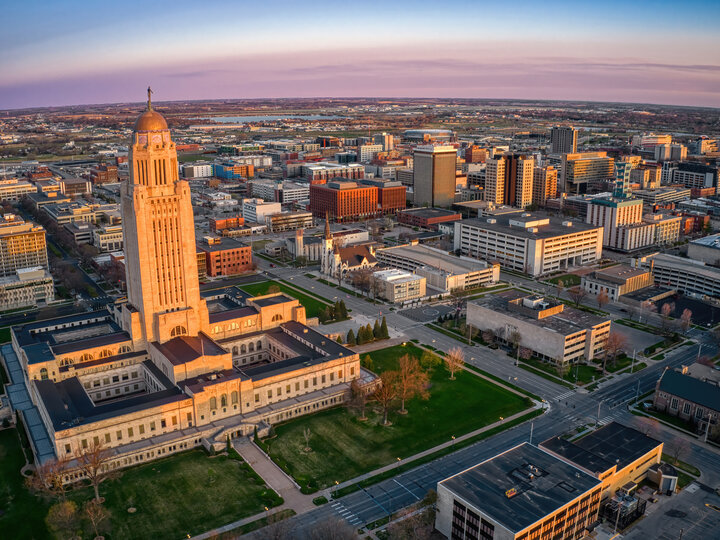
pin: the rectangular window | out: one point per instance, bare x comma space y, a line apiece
674, 403
130, 432
306, 383
174, 420
269, 394
297, 386
287, 389
141, 429
152, 426
118, 435
314, 381
67, 448
323, 379
96, 440
686, 408
332, 376
257, 398
189, 417
339, 373
163, 424
107, 438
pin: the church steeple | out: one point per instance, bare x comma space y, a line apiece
328, 234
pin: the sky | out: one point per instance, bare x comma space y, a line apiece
67, 52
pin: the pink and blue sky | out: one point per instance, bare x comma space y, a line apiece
65, 52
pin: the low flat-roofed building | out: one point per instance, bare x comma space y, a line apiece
28, 287
554, 332
442, 270
615, 454
706, 249
427, 218
44, 198
685, 275
13, 189
81, 232
524, 493
662, 195
399, 286
225, 256
529, 243
108, 238
617, 281
289, 221
70, 212
667, 227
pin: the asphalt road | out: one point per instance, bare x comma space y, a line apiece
567, 409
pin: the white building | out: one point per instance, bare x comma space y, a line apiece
108, 239
667, 227
28, 287
529, 243
257, 210
706, 249
686, 275
398, 286
366, 152
670, 152
197, 170
621, 220
13, 189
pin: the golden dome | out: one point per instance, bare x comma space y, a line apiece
150, 121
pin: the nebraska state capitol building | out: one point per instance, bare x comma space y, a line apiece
161, 372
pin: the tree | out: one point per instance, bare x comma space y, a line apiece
455, 360
387, 393
332, 529
342, 313
339, 338
361, 336
562, 368
93, 463
647, 307
706, 361
412, 381
414, 524
350, 339
306, 436
376, 286
685, 320
367, 362
514, 337
384, 332
577, 293
273, 289
358, 399
369, 334
471, 332
665, 311
48, 478
614, 343
96, 514
560, 286
301, 260
62, 518
677, 448
488, 336
377, 333
525, 353
602, 299
429, 360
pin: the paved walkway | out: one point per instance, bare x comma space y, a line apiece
274, 476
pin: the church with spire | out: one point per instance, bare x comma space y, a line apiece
160, 372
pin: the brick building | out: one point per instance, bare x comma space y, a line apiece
225, 256
391, 194
427, 218
104, 174
222, 223
344, 200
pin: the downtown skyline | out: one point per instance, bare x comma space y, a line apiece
226, 50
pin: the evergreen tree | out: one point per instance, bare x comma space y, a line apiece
377, 332
369, 336
361, 339
350, 339
342, 310
339, 339
384, 332
323, 316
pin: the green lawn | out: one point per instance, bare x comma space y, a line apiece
569, 280
313, 306
184, 494
343, 447
5, 334
24, 514
585, 373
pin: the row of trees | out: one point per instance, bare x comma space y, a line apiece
368, 334
336, 312
64, 517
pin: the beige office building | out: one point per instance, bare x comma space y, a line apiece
544, 184
434, 172
399, 286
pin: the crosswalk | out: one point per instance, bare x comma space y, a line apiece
564, 396
346, 514
610, 418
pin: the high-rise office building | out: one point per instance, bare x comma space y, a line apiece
563, 140
434, 175
578, 170
495, 180
22, 245
544, 184
386, 140
509, 180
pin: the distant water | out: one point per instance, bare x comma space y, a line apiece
243, 119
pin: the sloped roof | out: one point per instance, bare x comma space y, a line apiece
686, 387
354, 255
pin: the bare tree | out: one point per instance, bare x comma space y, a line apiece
562, 368
678, 447
665, 313
412, 381
614, 343
273, 289
577, 293
455, 360
358, 399
560, 286
647, 307
278, 528
706, 361
685, 320
411, 523
96, 514
332, 529
93, 463
488, 336
48, 478
376, 286
602, 299
525, 353
387, 393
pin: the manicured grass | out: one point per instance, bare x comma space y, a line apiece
5, 334
585, 373
670, 419
545, 375
280, 515
184, 494
691, 469
24, 514
569, 280
313, 306
343, 447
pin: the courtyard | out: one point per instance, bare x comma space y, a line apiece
343, 447
313, 305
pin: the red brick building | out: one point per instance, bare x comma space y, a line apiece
427, 218
475, 154
225, 256
219, 224
391, 194
344, 201
104, 174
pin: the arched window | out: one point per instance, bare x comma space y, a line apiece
87, 357
213, 403
243, 349
216, 329
235, 351
234, 397
124, 349
234, 326
178, 331
277, 317
44, 374
105, 353
259, 345
251, 347
223, 400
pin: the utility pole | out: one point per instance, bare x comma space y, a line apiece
532, 424
632, 366
698, 354
637, 392
597, 421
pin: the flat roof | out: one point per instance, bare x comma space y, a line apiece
552, 229
266, 301
543, 484
712, 241
434, 258
579, 456
617, 443
428, 213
